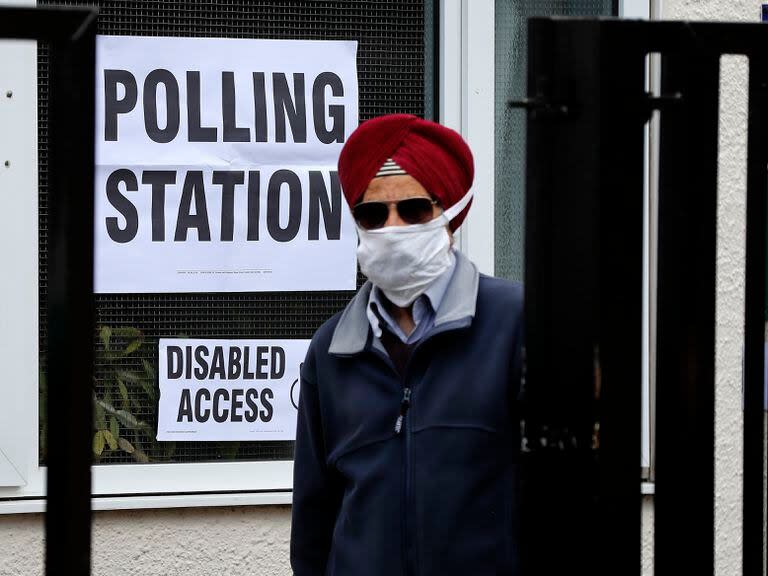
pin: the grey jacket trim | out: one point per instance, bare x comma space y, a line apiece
351, 333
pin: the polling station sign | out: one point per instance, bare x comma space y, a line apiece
216, 165
229, 389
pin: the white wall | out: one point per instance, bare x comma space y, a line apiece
188, 542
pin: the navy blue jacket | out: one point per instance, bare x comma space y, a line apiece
439, 497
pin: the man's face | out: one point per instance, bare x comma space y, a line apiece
394, 188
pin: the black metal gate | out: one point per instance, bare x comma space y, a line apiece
587, 110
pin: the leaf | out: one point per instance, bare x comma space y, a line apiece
126, 418
114, 427
148, 370
110, 440
125, 446
131, 421
128, 332
140, 456
148, 383
105, 404
98, 442
149, 389
99, 418
128, 376
123, 389
132, 347
105, 334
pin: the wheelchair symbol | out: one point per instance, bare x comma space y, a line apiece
295, 394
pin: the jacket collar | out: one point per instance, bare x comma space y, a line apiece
351, 333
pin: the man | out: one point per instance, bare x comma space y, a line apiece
407, 430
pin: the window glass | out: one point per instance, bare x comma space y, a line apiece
394, 72
511, 68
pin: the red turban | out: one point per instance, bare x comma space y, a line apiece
434, 155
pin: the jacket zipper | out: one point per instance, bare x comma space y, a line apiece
409, 509
402, 421
408, 546
405, 403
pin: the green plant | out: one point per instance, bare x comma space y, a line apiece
124, 384
124, 388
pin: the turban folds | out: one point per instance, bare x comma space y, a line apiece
434, 155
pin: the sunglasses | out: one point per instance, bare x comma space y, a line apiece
372, 215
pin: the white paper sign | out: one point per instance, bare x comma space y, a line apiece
229, 389
216, 165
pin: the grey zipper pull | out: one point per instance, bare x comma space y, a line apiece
405, 403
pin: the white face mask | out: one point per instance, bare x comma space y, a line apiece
404, 260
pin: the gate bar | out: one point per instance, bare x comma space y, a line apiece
587, 110
72, 34
685, 345
572, 232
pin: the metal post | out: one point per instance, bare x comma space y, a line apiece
685, 370
71, 309
72, 34
624, 112
559, 396
583, 298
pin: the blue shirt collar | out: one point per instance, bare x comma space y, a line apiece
457, 307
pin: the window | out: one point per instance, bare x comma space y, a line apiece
480, 73
471, 53
511, 46
395, 69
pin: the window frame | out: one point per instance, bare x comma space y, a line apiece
467, 104
19, 294
22, 478
114, 486
467, 90
466, 86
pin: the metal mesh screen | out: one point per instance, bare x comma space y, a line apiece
391, 73
511, 68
